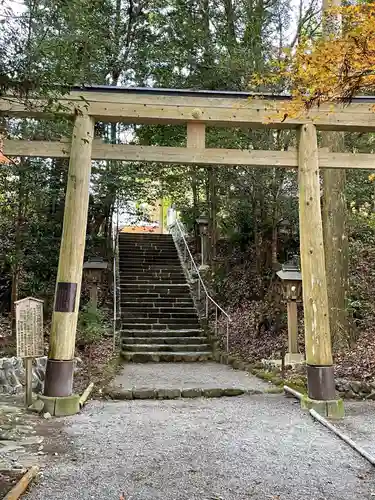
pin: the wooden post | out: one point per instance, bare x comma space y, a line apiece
196, 135
196, 138
94, 295
28, 382
292, 327
321, 384
60, 365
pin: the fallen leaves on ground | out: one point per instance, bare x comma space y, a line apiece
95, 364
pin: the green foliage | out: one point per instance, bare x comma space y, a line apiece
362, 273
92, 325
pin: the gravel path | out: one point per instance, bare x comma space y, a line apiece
359, 424
185, 376
258, 447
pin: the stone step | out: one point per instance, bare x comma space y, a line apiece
138, 297
158, 316
148, 273
144, 280
145, 236
131, 325
120, 393
160, 310
147, 254
132, 241
174, 348
155, 282
167, 357
161, 302
129, 249
158, 306
141, 261
151, 281
155, 288
147, 248
164, 340
152, 268
150, 332
154, 297
158, 286
157, 312
146, 283
126, 293
132, 264
164, 302
161, 273
128, 272
176, 322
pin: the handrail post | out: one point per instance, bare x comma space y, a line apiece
215, 321
227, 335
206, 307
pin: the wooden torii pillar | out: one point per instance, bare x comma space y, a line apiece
320, 374
60, 363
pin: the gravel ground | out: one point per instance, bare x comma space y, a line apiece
261, 448
185, 376
359, 424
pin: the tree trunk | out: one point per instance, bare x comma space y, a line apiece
213, 184
17, 245
274, 261
334, 218
230, 23
194, 188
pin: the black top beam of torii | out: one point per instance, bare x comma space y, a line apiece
198, 93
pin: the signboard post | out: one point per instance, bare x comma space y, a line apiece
29, 331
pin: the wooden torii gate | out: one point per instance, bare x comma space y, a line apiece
196, 109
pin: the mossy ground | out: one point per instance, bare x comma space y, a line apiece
297, 382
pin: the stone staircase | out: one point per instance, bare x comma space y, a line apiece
159, 320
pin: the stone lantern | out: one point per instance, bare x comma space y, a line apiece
202, 222
291, 279
93, 270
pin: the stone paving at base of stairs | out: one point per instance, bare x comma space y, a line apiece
174, 380
262, 447
24, 440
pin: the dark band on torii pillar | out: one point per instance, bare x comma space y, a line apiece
65, 297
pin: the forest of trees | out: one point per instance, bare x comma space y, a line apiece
48, 45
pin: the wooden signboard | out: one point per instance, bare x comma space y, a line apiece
29, 332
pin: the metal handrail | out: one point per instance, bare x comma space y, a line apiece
201, 284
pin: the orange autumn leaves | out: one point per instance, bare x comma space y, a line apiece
3, 158
329, 70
